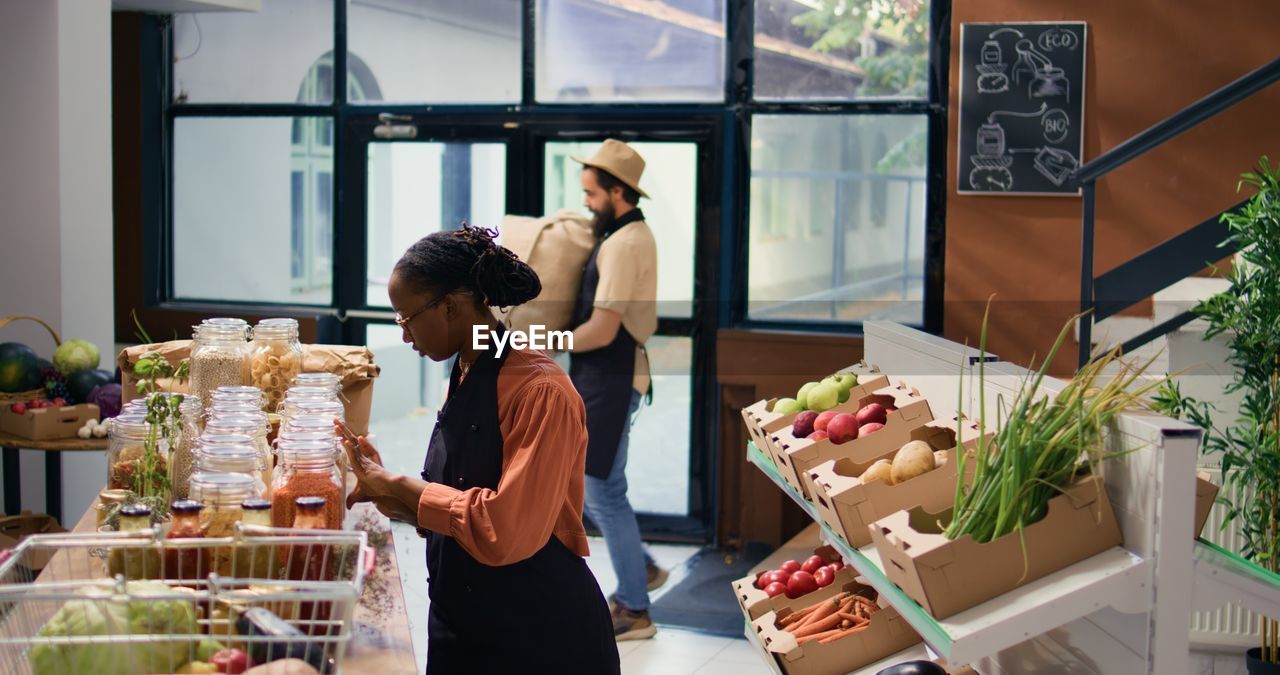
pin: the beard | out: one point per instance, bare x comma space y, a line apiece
603, 219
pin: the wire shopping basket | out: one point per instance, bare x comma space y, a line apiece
133, 603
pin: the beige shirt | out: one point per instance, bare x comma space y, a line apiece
628, 263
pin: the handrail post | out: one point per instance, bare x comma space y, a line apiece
1086, 275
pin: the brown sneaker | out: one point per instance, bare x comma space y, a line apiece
657, 576
629, 625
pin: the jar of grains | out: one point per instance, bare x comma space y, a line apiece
276, 359
126, 456
219, 357
183, 455
222, 494
307, 469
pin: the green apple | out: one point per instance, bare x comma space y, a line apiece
803, 395
845, 382
787, 406
824, 396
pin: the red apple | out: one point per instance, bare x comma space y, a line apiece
869, 428
775, 589
823, 420
842, 428
231, 661
871, 413
812, 564
817, 436
760, 580
803, 424
800, 584
18, 408
790, 566
836, 566
824, 576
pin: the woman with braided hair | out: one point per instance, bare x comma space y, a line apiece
500, 496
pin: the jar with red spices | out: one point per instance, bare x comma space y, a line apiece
307, 469
186, 562
311, 562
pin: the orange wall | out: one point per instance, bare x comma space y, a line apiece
1146, 60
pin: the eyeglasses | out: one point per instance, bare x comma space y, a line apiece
403, 321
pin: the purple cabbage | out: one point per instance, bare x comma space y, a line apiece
107, 397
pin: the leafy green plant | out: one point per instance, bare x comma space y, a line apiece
151, 484
1247, 315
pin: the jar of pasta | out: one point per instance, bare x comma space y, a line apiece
219, 357
276, 359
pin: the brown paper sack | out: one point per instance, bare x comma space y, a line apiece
556, 247
353, 364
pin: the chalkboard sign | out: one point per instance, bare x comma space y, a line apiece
1021, 107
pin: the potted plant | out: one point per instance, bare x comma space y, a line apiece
1247, 315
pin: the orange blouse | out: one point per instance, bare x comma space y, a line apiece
544, 452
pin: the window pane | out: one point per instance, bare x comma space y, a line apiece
837, 217
655, 50
415, 189
841, 50
670, 177
270, 56
658, 455
252, 217
435, 51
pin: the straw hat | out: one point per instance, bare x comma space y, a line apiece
620, 160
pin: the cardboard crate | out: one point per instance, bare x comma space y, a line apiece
780, 431
797, 456
754, 603
45, 424
946, 577
15, 528
1206, 493
761, 421
887, 634
847, 505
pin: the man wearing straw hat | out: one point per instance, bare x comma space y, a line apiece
616, 313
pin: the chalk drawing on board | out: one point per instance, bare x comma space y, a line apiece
1059, 38
1055, 164
991, 72
991, 163
1056, 125
1044, 80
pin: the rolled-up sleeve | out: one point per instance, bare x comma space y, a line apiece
510, 524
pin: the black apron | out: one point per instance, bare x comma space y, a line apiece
603, 377
542, 614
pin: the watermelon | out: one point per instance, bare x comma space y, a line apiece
80, 384
19, 369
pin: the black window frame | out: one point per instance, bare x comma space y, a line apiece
722, 130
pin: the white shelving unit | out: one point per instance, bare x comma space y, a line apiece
1125, 611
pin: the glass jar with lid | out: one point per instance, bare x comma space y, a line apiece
252, 425
127, 457
181, 559
311, 408
328, 381
276, 359
307, 469
219, 357
247, 396
139, 560
183, 455
255, 561
225, 458
222, 495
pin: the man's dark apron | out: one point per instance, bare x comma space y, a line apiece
603, 377
542, 614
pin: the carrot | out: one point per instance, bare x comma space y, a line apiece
822, 610
796, 617
817, 636
852, 617
839, 634
818, 626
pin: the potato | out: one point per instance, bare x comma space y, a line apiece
913, 459
881, 469
939, 458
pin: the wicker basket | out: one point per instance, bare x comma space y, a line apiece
24, 396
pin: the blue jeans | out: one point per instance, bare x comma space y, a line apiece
609, 508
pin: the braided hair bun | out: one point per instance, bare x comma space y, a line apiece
468, 259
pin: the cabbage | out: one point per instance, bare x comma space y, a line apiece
102, 614
74, 356
107, 398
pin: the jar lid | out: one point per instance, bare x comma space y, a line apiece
225, 407
255, 505
310, 423
321, 380
237, 389
221, 487
187, 506
224, 439
276, 329
310, 502
132, 424
221, 331
295, 448
135, 511
310, 391
238, 424
224, 457
113, 496
309, 437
